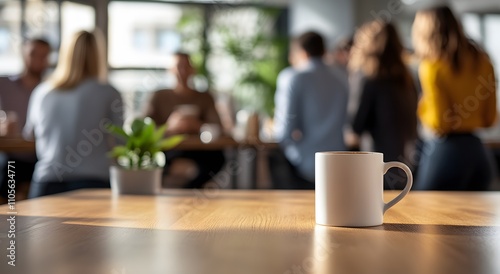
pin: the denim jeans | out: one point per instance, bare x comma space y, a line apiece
454, 162
49, 188
284, 175
24, 171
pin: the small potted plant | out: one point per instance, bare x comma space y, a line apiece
141, 160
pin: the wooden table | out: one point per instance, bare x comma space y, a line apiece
244, 153
224, 142
13, 145
190, 143
492, 143
224, 231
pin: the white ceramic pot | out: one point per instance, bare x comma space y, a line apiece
141, 182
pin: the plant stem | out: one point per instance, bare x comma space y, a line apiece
130, 162
139, 161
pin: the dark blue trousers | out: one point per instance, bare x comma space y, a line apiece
454, 162
49, 188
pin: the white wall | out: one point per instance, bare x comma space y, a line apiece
334, 19
368, 10
339, 18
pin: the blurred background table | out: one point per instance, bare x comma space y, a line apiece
249, 155
18, 144
228, 231
13, 145
492, 143
224, 142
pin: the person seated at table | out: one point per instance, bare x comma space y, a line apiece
15, 92
388, 102
67, 116
310, 112
185, 110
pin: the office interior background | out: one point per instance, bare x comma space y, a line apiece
238, 47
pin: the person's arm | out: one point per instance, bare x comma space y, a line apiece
178, 123
152, 108
364, 115
281, 98
436, 111
212, 115
490, 111
116, 115
117, 109
32, 114
287, 112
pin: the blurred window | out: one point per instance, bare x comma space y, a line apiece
142, 38
167, 40
143, 32
472, 26
492, 42
76, 17
10, 37
42, 20
4, 40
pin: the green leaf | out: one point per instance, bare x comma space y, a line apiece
137, 126
160, 132
170, 142
147, 134
117, 131
119, 151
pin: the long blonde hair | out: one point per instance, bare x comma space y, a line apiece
437, 34
378, 53
79, 59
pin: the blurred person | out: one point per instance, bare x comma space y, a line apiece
185, 110
67, 116
296, 61
310, 111
15, 92
458, 97
388, 98
338, 58
281, 171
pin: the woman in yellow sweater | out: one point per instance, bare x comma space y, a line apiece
458, 97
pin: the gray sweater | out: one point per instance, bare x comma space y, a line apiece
69, 129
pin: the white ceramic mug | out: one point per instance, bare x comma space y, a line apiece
350, 188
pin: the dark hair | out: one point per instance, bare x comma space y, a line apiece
37, 40
312, 43
377, 52
182, 54
437, 33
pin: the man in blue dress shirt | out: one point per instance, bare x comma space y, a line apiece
310, 111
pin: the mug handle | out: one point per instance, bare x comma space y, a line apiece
409, 182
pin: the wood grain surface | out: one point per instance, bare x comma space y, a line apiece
223, 231
11, 145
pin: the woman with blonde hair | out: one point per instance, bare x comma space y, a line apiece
67, 116
458, 97
387, 94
